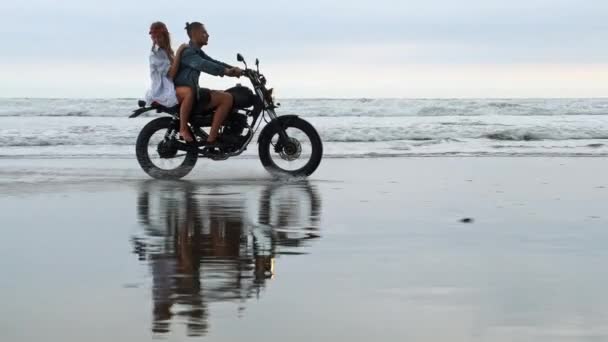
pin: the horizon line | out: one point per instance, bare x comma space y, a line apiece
336, 98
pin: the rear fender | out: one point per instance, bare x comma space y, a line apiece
173, 111
140, 111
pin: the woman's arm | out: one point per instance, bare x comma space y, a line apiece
176, 61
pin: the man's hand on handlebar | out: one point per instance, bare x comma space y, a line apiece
234, 72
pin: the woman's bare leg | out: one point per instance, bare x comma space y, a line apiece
185, 96
222, 101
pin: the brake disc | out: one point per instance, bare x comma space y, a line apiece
291, 150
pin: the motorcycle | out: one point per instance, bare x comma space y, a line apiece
287, 145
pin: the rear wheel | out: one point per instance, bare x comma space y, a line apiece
157, 150
299, 155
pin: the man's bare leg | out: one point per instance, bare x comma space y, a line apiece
222, 101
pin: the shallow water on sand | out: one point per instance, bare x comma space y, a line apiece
380, 253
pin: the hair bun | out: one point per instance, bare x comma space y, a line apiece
187, 26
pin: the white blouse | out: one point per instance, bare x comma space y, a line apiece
162, 89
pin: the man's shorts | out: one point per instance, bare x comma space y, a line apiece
203, 101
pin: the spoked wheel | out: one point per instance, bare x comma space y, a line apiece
298, 155
157, 151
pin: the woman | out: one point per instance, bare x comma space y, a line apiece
164, 64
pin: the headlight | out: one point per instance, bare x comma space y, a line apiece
270, 95
274, 97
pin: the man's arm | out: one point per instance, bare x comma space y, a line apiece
192, 59
207, 57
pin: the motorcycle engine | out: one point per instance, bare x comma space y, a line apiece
236, 124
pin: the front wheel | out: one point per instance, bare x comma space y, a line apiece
298, 154
157, 150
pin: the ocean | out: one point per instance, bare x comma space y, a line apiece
73, 128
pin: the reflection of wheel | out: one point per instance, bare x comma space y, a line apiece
292, 211
161, 205
299, 155
157, 152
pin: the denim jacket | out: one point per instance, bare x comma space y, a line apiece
193, 61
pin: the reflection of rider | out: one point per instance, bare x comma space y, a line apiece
203, 253
175, 270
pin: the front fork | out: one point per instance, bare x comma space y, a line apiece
272, 114
282, 134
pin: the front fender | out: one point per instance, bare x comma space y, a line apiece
280, 121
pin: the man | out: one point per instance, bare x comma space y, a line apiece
193, 61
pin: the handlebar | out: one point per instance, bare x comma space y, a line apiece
250, 73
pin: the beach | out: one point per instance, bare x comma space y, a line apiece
436, 171
426, 249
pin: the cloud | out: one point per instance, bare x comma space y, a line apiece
454, 36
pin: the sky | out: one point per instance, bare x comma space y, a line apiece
315, 48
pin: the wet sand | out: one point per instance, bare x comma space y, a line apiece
366, 249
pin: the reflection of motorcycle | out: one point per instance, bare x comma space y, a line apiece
205, 248
287, 144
